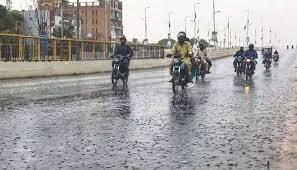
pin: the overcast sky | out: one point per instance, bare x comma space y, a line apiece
278, 15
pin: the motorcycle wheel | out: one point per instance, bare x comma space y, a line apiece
114, 77
175, 83
125, 81
203, 75
237, 71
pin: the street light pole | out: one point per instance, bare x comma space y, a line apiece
195, 20
186, 18
77, 19
145, 21
169, 24
214, 33
228, 32
62, 20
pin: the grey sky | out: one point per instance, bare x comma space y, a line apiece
279, 15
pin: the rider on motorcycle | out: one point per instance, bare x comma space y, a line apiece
251, 53
267, 56
124, 50
202, 53
239, 53
183, 50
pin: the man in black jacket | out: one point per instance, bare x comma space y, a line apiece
239, 53
124, 50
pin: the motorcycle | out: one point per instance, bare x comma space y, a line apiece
179, 78
267, 64
249, 71
200, 70
239, 66
117, 74
276, 58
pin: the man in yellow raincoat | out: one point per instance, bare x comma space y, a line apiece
183, 50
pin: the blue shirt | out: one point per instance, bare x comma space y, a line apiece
250, 54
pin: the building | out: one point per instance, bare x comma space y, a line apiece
116, 19
49, 4
99, 20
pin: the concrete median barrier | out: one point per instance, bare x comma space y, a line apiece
9, 70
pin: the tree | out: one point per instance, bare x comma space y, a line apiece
68, 31
8, 20
164, 42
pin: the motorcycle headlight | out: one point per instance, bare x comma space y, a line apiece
248, 60
176, 60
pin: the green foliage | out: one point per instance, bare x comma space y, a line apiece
68, 32
8, 19
164, 42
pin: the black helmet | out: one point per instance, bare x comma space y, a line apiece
123, 38
251, 46
181, 34
201, 45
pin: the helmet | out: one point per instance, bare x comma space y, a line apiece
181, 34
123, 38
201, 45
241, 48
251, 46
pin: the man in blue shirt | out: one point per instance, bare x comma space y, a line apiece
251, 53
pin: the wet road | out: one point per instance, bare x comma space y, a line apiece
219, 123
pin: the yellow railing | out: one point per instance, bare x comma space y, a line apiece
30, 48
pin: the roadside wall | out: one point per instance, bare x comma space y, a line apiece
9, 70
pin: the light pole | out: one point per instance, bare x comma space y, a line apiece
77, 19
145, 21
214, 33
229, 36
169, 24
62, 20
186, 18
195, 19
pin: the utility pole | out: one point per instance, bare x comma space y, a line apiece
145, 22
214, 17
256, 37
228, 32
77, 19
169, 30
270, 41
247, 29
186, 18
62, 19
262, 36
169, 24
105, 20
195, 21
214, 33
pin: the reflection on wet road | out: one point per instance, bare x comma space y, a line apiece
81, 122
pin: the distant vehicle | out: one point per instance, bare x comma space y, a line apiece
275, 57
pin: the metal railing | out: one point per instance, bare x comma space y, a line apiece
29, 48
